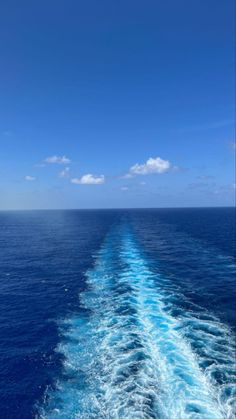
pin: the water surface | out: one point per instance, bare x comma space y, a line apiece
118, 314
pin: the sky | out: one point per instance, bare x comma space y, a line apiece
115, 104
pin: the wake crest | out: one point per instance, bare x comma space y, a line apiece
133, 354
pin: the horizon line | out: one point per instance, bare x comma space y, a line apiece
115, 208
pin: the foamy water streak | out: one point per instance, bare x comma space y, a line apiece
130, 357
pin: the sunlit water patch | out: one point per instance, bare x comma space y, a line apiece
135, 353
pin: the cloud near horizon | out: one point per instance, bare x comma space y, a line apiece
57, 160
89, 179
151, 166
30, 178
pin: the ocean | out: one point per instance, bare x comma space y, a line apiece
118, 314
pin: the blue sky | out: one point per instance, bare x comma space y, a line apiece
109, 104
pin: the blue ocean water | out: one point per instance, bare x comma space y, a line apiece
118, 314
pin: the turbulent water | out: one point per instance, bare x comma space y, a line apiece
139, 339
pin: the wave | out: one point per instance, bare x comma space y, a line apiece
135, 352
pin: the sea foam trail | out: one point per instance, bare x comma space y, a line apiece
129, 357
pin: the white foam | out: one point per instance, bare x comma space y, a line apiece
130, 358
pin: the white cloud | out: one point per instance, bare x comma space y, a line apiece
30, 178
65, 173
152, 165
89, 180
142, 183
124, 188
127, 176
57, 160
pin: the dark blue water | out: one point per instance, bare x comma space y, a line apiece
117, 314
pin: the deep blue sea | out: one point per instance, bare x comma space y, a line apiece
113, 314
